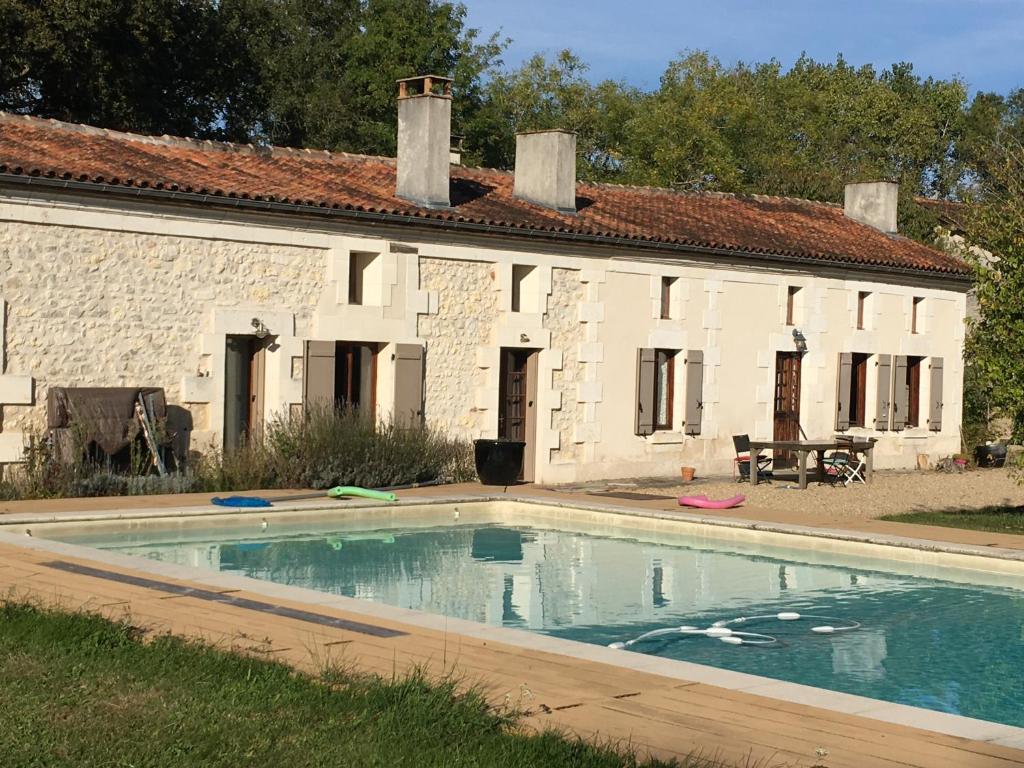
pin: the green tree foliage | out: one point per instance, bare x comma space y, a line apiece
553, 93
152, 66
321, 74
308, 73
995, 227
803, 132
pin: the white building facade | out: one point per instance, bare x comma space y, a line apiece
610, 354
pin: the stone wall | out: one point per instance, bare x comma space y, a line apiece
562, 319
467, 304
89, 307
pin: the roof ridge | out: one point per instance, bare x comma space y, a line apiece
187, 142
712, 193
276, 151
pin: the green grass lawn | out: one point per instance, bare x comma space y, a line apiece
77, 690
996, 519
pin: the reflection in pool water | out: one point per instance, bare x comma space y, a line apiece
944, 645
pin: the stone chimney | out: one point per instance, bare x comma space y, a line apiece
546, 169
424, 140
873, 203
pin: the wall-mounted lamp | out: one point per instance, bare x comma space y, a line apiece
523, 338
800, 340
259, 329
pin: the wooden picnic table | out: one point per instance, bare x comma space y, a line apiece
803, 448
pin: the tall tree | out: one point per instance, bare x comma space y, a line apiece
151, 66
995, 227
553, 93
308, 73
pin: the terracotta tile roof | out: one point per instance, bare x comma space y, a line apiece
769, 226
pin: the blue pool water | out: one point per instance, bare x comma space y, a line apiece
948, 645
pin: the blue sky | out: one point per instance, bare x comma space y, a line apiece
981, 41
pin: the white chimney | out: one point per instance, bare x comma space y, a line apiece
546, 169
424, 140
873, 203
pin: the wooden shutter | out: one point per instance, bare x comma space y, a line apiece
318, 374
694, 391
883, 401
646, 374
900, 393
843, 391
408, 407
935, 396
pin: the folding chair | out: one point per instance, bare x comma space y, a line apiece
855, 472
741, 463
835, 467
843, 467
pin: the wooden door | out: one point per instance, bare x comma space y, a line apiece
787, 401
244, 364
517, 397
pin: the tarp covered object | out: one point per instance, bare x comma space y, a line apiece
104, 415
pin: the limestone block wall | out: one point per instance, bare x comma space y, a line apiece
92, 307
567, 333
461, 321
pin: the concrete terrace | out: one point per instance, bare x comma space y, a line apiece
665, 715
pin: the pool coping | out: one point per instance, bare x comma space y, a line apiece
835, 701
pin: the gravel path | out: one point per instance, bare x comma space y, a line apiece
889, 493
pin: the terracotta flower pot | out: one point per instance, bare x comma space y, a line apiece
687, 473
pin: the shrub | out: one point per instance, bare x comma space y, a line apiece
324, 448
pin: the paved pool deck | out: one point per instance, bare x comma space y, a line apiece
667, 714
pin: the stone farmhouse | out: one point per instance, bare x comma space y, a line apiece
617, 330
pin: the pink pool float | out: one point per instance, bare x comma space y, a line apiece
703, 502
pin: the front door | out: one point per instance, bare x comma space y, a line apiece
244, 364
787, 402
517, 398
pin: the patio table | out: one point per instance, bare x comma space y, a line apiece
802, 448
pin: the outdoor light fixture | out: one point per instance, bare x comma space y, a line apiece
261, 331
800, 340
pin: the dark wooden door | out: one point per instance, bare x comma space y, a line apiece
513, 394
787, 401
517, 395
244, 377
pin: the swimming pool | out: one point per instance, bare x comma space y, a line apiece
941, 638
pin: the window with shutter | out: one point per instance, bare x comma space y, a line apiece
858, 388
935, 395
646, 373
408, 406
883, 391
694, 391
664, 387
900, 393
843, 391
913, 415
318, 372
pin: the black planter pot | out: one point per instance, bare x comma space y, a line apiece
990, 455
498, 462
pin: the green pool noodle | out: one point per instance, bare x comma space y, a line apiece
364, 493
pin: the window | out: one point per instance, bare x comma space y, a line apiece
858, 388
913, 385
355, 371
522, 283
664, 384
862, 299
340, 374
362, 275
915, 309
791, 304
666, 297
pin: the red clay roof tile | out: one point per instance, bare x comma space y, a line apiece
747, 224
